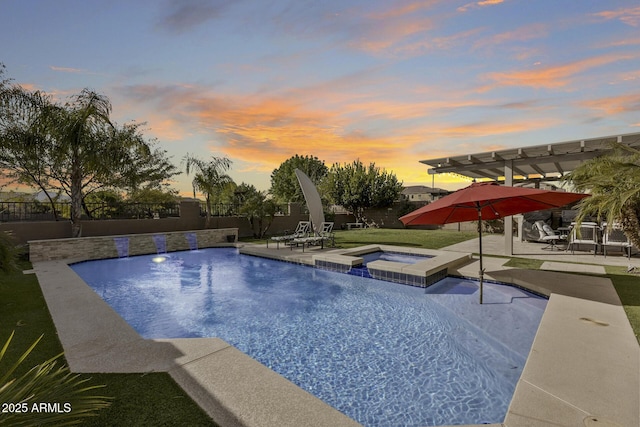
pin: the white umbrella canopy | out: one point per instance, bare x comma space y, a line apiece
312, 197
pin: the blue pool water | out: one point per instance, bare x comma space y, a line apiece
363, 271
382, 353
393, 256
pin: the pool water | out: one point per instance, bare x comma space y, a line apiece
393, 256
382, 353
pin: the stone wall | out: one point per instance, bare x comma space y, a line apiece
85, 248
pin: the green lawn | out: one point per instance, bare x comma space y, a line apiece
138, 399
430, 239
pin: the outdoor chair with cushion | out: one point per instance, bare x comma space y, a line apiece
301, 231
547, 235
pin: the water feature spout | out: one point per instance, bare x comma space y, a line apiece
161, 243
192, 239
122, 246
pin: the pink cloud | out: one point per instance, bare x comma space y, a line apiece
615, 105
553, 76
528, 32
67, 69
477, 4
629, 16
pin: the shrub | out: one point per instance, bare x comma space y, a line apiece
8, 253
47, 394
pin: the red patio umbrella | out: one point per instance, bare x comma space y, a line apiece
487, 200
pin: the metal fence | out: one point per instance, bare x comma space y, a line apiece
231, 209
132, 210
37, 211
33, 211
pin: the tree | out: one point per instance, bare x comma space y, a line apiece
357, 187
23, 148
89, 152
153, 196
210, 178
74, 147
613, 180
258, 209
284, 184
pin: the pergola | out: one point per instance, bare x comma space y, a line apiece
535, 163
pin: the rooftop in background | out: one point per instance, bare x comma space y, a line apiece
422, 193
538, 162
421, 189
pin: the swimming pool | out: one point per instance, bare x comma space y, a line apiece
382, 353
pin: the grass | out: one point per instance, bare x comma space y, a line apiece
430, 239
139, 399
628, 289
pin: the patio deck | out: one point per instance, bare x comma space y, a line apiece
583, 368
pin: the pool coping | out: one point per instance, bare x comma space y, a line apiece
583, 365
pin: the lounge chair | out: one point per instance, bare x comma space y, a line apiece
547, 235
301, 231
325, 234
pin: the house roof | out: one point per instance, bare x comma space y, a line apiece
538, 161
422, 189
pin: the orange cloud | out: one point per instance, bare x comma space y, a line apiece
168, 129
260, 132
629, 16
615, 105
551, 77
621, 43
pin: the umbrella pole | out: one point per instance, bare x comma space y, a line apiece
480, 241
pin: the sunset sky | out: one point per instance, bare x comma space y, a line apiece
390, 82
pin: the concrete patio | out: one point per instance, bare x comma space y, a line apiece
583, 368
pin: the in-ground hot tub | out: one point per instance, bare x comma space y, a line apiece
408, 266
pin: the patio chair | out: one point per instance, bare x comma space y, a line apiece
613, 236
325, 234
301, 231
547, 235
587, 233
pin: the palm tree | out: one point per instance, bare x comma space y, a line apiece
74, 147
209, 178
81, 135
614, 183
